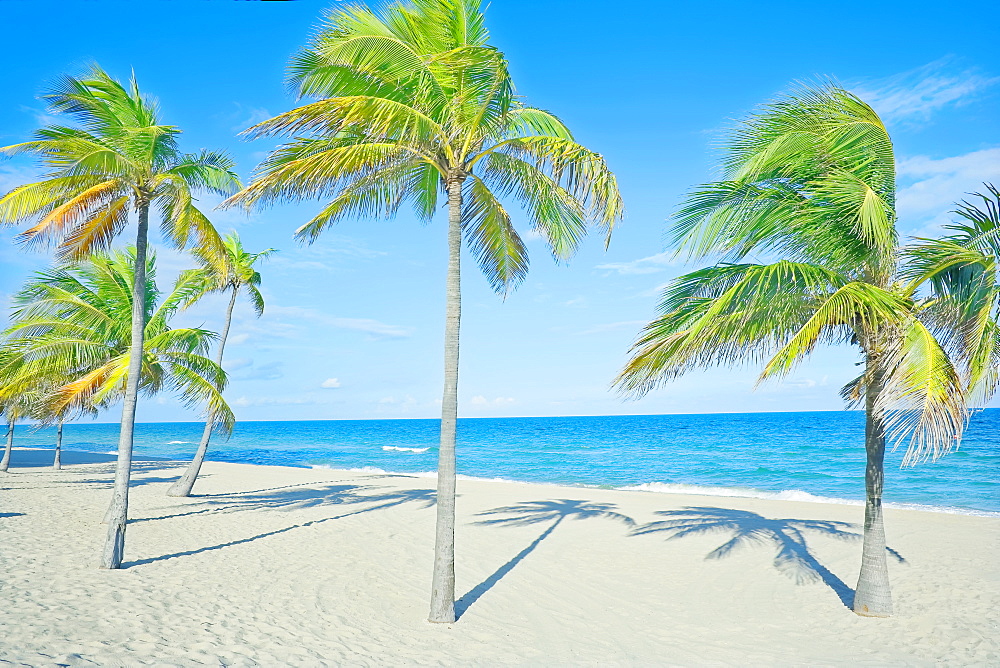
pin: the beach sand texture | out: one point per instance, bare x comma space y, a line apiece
276, 566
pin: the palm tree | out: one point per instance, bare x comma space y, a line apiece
415, 105
73, 323
119, 158
14, 407
237, 275
810, 183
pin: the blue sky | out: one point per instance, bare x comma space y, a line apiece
353, 327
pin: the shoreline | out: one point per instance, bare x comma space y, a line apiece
711, 491
278, 565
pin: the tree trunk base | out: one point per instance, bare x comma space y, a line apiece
181, 488
114, 550
867, 613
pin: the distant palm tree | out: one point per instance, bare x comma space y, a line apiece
236, 275
810, 183
73, 323
120, 158
14, 406
415, 105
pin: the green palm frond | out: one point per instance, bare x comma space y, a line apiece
730, 314
924, 399
411, 97
810, 177
70, 333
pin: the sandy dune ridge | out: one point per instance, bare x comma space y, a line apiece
285, 566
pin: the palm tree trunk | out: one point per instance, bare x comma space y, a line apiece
5, 462
57, 462
872, 597
443, 581
114, 546
184, 484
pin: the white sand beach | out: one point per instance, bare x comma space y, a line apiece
276, 566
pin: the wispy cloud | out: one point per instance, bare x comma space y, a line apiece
13, 176
374, 328
43, 117
914, 95
244, 368
932, 186
330, 383
307, 400
644, 265
327, 255
245, 115
613, 326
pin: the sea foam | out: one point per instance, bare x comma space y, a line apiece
394, 448
790, 495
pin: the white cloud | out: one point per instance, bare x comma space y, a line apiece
330, 383
237, 339
480, 401
914, 95
932, 186
644, 265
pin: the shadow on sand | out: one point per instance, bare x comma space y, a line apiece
786, 536
535, 512
294, 497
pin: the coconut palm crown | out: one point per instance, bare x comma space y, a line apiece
809, 187
415, 106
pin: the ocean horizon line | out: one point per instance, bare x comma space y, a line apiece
494, 417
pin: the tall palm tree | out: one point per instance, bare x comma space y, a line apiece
237, 275
810, 184
118, 159
415, 105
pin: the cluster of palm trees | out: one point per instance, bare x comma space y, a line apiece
89, 332
411, 104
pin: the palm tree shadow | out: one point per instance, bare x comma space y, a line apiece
528, 513
301, 498
788, 536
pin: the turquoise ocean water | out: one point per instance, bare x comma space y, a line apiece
771, 455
